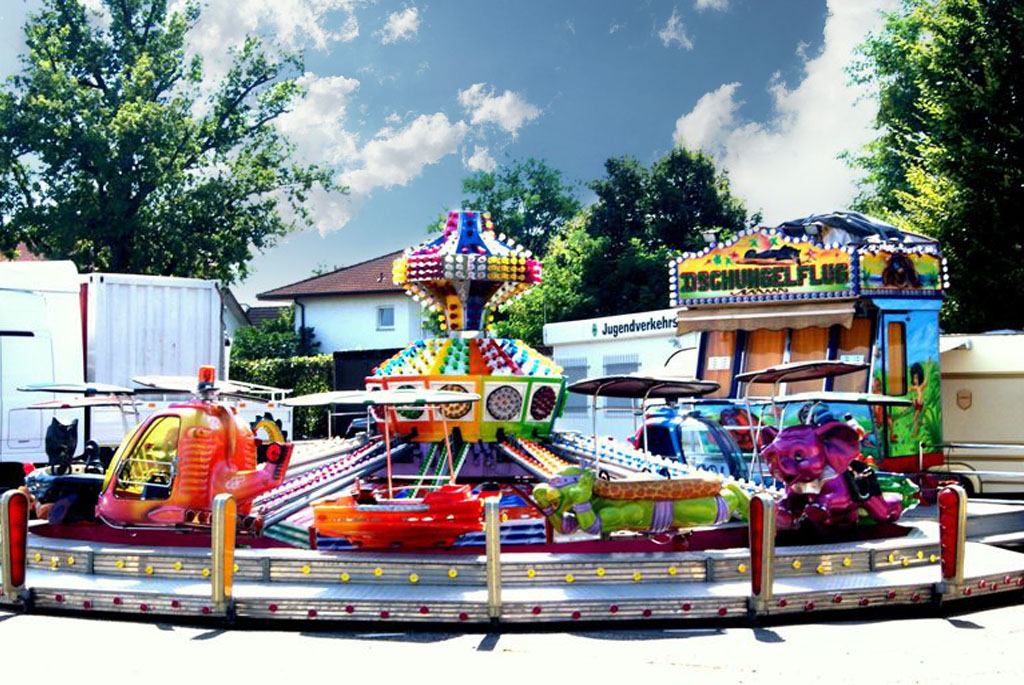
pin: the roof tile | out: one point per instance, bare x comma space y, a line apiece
372, 276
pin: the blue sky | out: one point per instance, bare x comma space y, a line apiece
406, 98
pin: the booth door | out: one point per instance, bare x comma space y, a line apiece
910, 370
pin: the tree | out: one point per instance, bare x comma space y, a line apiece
528, 200
949, 158
644, 216
274, 339
612, 258
563, 294
111, 156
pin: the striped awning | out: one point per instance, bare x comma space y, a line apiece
773, 317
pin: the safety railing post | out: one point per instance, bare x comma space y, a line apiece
223, 551
492, 537
762, 552
952, 502
13, 544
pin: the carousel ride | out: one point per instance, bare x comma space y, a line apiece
464, 503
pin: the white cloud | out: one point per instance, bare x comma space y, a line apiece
712, 116
400, 26
788, 166
702, 5
396, 157
508, 110
480, 160
291, 24
615, 28
675, 32
570, 26
316, 122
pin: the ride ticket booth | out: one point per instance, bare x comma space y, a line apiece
839, 287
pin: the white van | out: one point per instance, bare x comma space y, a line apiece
40, 341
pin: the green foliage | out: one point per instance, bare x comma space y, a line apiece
112, 156
303, 375
643, 216
528, 200
273, 339
562, 295
949, 159
611, 257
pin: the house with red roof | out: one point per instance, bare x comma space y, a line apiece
356, 307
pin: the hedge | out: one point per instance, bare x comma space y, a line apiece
303, 375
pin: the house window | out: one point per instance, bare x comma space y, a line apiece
719, 347
854, 346
897, 362
620, 365
386, 318
574, 370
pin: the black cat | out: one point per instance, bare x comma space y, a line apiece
61, 443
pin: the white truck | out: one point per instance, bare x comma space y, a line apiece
59, 326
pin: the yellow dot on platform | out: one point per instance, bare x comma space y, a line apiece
378, 572
305, 570
847, 561
206, 573
54, 562
933, 558
742, 568
599, 572
234, 568
569, 577
672, 570
920, 554
149, 570
637, 576
413, 578
344, 577
822, 569
892, 557
530, 573
71, 561
177, 566
796, 564
905, 561
452, 573
119, 563
37, 557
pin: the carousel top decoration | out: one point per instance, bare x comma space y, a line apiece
466, 271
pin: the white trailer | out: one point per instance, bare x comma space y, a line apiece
40, 342
59, 326
983, 409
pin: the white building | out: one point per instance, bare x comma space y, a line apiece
357, 307
644, 342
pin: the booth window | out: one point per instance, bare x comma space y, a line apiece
574, 370
620, 365
148, 470
719, 348
805, 345
896, 332
764, 348
855, 346
385, 318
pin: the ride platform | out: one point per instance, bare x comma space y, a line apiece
535, 586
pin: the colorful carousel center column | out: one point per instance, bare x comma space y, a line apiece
464, 275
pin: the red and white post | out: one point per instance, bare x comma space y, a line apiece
952, 533
13, 544
762, 551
